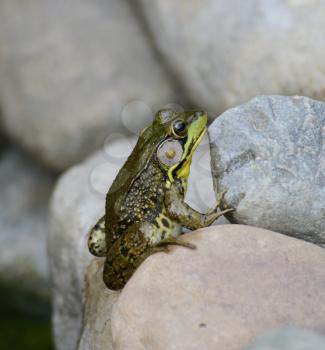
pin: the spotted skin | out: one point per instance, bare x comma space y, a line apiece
96, 240
163, 228
141, 217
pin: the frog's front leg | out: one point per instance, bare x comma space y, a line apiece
96, 240
178, 210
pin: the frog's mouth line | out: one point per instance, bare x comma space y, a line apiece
183, 167
199, 139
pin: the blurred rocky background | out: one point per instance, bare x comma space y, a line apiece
79, 79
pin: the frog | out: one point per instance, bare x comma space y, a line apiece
145, 210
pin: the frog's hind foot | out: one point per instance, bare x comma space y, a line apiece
175, 241
96, 240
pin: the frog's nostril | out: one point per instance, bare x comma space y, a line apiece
198, 114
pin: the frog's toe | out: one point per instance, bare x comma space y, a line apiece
97, 249
221, 196
158, 249
226, 211
96, 240
175, 241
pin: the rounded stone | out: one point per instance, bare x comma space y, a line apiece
289, 339
68, 70
240, 282
25, 189
225, 52
96, 330
270, 154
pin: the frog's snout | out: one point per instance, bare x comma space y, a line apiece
198, 115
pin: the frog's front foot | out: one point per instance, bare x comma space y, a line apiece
217, 214
219, 210
221, 197
221, 205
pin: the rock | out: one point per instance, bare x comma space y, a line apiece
270, 153
78, 201
3, 143
226, 52
75, 207
24, 193
289, 339
3, 139
240, 282
68, 71
96, 331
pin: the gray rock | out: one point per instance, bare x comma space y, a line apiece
24, 193
289, 339
240, 282
3, 142
78, 201
3, 138
67, 70
96, 331
226, 52
75, 207
270, 153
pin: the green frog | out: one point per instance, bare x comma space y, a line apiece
145, 207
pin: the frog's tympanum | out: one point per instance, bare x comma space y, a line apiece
145, 208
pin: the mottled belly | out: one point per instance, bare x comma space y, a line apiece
161, 228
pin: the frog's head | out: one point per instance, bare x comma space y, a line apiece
180, 134
171, 141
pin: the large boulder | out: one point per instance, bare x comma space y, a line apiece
269, 153
78, 201
69, 69
240, 282
226, 52
25, 189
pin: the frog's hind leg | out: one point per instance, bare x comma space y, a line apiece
96, 240
125, 255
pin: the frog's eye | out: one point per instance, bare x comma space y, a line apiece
179, 127
170, 152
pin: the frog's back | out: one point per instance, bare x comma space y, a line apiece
136, 182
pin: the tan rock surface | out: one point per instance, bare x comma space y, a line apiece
240, 282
